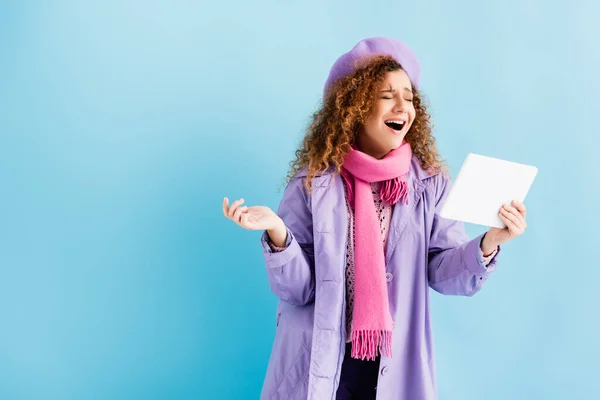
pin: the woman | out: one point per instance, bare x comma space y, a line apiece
357, 240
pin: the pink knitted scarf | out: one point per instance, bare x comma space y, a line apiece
372, 321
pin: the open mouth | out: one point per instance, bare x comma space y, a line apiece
395, 125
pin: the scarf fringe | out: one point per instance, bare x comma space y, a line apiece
394, 190
366, 344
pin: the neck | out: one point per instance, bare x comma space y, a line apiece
375, 153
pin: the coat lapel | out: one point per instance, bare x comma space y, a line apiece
403, 212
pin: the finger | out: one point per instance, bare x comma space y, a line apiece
509, 215
509, 224
234, 207
513, 223
225, 206
513, 212
244, 220
520, 206
238, 213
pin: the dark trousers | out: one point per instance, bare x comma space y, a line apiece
358, 380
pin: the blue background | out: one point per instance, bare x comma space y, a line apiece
123, 124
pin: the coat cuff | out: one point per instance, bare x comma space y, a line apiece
474, 258
277, 249
276, 259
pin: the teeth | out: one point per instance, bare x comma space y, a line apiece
395, 123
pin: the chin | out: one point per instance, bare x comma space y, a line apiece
397, 142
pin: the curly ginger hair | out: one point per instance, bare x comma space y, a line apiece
346, 107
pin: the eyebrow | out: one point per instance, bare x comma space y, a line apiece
392, 90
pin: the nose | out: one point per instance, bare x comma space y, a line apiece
400, 106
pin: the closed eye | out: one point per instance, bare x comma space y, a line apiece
390, 98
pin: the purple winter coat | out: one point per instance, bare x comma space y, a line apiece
423, 250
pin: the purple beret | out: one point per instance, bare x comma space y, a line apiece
345, 65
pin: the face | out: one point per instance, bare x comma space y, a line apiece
391, 118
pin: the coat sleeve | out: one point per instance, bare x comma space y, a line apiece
291, 272
456, 265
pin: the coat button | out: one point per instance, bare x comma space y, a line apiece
389, 277
384, 371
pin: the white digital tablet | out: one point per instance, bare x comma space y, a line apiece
482, 186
